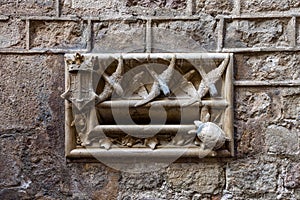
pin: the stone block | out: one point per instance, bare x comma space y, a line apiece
214, 7
58, 34
155, 8
28, 7
252, 178
91, 8
258, 33
292, 178
10, 165
280, 140
298, 31
203, 178
250, 6
291, 106
260, 104
142, 181
185, 36
267, 66
111, 37
258, 108
174, 4
27, 84
12, 34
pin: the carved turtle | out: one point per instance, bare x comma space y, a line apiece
210, 134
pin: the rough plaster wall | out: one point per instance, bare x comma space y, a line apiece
34, 35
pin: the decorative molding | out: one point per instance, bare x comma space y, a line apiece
149, 105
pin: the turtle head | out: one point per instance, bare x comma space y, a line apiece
199, 125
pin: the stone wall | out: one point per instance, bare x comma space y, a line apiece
264, 36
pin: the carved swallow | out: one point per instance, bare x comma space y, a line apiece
208, 81
160, 83
112, 83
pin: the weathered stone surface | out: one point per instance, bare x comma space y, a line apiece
297, 32
280, 140
26, 89
250, 137
291, 107
58, 34
142, 181
119, 37
31, 111
257, 33
269, 66
10, 165
258, 108
214, 7
90, 8
205, 178
269, 5
252, 178
104, 182
262, 104
155, 8
174, 4
188, 36
28, 7
292, 179
12, 34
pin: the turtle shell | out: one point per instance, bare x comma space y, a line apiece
212, 136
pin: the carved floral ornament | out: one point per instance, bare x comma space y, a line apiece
149, 104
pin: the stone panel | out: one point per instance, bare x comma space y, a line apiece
184, 36
26, 86
258, 33
280, 140
258, 108
10, 165
298, 31
90, 7
12, 34
28, 7
255, 6
142, 181
119, 37
267, 66
214, 7
174, 4
252, 178
292, 178
156, 8
205, 178
58, 34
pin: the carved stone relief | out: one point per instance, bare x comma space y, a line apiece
149, 102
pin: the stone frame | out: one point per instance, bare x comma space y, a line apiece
72, 150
